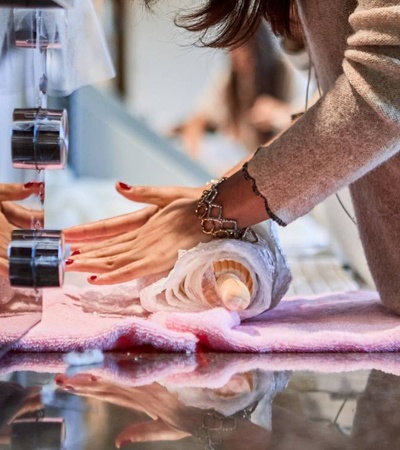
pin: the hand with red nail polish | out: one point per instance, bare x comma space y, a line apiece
168, 417
15, 192
134, 254
104, 246
160, 196
13, 215
80, 383
124, 186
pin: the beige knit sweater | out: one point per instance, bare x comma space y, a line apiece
351, 136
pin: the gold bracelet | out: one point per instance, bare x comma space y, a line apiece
212, 221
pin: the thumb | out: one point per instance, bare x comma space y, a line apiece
150, 431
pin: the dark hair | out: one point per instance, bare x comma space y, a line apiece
227, 23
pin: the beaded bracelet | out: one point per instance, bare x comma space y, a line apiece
213, 222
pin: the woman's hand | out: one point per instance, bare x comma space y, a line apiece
5, 236
14, 192
170, 419
22, 217
152, 248
157, 196
14, 216
147, 242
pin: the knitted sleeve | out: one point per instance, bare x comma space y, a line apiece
351, 130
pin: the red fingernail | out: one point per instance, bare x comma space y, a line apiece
59, 378
33, 183
93, 278
76, 252
124, 186
68, 262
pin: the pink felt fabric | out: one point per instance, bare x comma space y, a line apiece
338, 322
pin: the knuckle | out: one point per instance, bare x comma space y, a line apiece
110, 262
142, 190
162, 253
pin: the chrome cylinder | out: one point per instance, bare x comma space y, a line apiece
36, 258
39, 138
40, 434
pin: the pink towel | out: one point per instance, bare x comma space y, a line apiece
338, 322
200, 370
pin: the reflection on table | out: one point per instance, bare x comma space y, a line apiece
200, 401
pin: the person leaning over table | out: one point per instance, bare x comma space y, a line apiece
248, 102
350, 136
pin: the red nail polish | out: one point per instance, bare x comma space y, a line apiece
68, 262
76, 252
33, 183
93, 278
124, 186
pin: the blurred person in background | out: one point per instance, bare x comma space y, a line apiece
248, 102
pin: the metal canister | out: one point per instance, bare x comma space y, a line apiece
39, 138
36, 258
40, 434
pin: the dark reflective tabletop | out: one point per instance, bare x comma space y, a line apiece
201, 401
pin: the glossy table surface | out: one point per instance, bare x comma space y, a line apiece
203, 400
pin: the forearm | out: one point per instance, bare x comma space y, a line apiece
240, 164
350, 131
238, 198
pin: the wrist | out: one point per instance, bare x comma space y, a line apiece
238, 200
226, 215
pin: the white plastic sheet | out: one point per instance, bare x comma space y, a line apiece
77, 52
